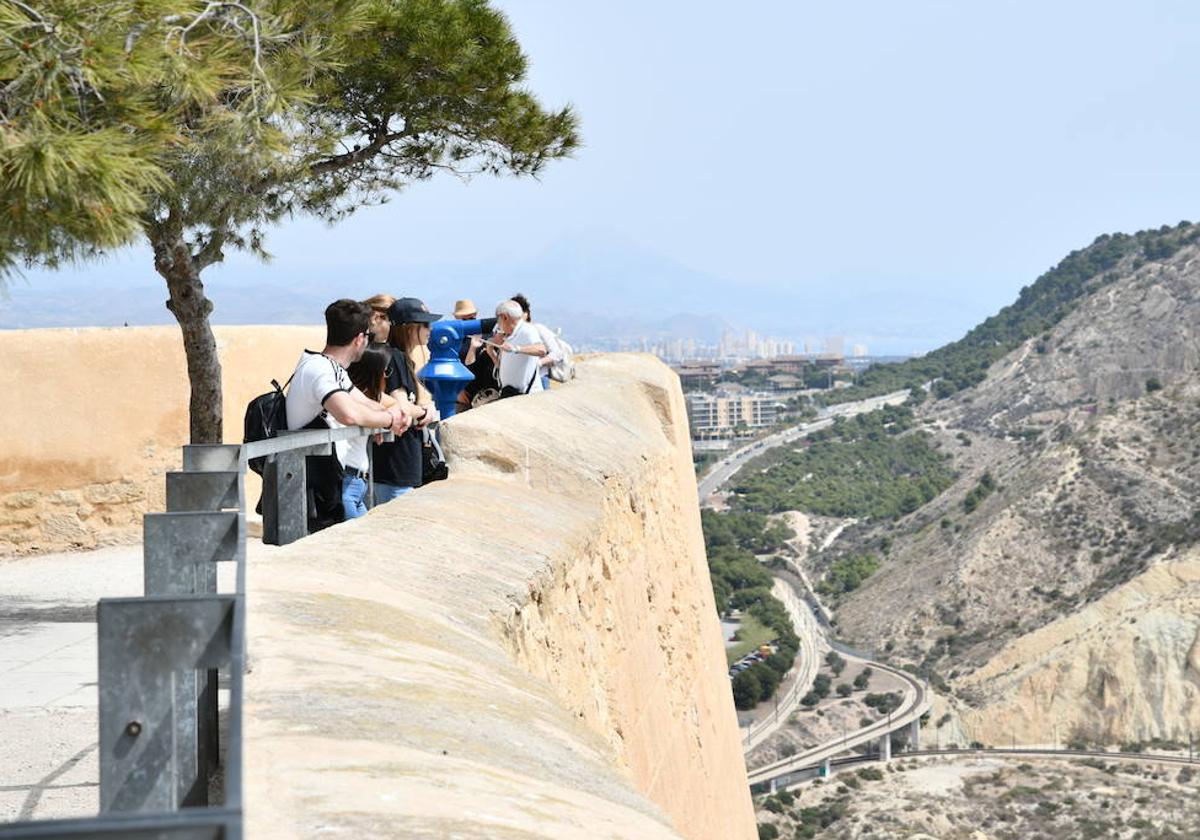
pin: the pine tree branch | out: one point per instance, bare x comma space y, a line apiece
211, 252
379, 140
32, 13
210, 11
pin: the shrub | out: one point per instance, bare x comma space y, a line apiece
766, 831
746, 690
847, 574
884, 703
1153, 384
768, 680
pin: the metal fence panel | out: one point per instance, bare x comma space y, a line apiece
149, 754
194, 824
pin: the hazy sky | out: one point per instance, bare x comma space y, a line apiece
931, 156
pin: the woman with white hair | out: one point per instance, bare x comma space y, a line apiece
518, 347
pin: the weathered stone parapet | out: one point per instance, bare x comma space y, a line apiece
529, 649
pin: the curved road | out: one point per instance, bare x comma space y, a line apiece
916, 703
813, 629
810, 631
809, 657
1007, 754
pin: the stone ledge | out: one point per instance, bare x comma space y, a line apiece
529, 649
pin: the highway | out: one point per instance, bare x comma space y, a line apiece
784, 782
809, 657
916, 703
812, 633
727, 467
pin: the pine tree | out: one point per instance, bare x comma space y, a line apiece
198, 125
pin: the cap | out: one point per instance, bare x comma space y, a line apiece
466, 306
411, 311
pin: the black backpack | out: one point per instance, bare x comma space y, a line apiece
266, 416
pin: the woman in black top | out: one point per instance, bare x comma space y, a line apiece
398, 464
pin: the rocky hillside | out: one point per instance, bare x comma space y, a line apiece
1078, 462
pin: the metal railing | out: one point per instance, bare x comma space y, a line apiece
160, 656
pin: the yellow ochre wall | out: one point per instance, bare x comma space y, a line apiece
92, 419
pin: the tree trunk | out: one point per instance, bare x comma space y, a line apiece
173, 260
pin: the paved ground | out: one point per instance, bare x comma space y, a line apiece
48, 723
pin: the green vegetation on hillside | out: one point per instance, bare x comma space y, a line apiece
1037, 310
740, 582
848, 573
744, 529
979, 492
872, 466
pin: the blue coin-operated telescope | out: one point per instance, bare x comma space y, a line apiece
446, 375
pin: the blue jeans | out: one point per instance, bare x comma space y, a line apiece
387, 492
354, 495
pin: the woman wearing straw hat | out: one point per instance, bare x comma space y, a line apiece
479, 363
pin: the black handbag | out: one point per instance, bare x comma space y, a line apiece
513, 391
433, 461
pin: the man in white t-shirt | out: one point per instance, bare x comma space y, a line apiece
321, 395
518, 348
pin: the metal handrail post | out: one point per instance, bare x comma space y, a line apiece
148, 728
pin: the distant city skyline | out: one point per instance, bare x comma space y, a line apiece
740, 345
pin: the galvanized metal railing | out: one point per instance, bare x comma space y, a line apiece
160, 656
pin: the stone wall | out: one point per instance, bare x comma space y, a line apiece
94, 417
529, 649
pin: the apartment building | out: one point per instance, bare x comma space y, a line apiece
724, 414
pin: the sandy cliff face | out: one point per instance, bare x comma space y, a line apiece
1126, 668
529, 649
97, 417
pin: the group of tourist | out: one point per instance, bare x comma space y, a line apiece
367, 375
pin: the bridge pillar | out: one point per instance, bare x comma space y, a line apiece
773, 785
885, 747
914, 735
826, 769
